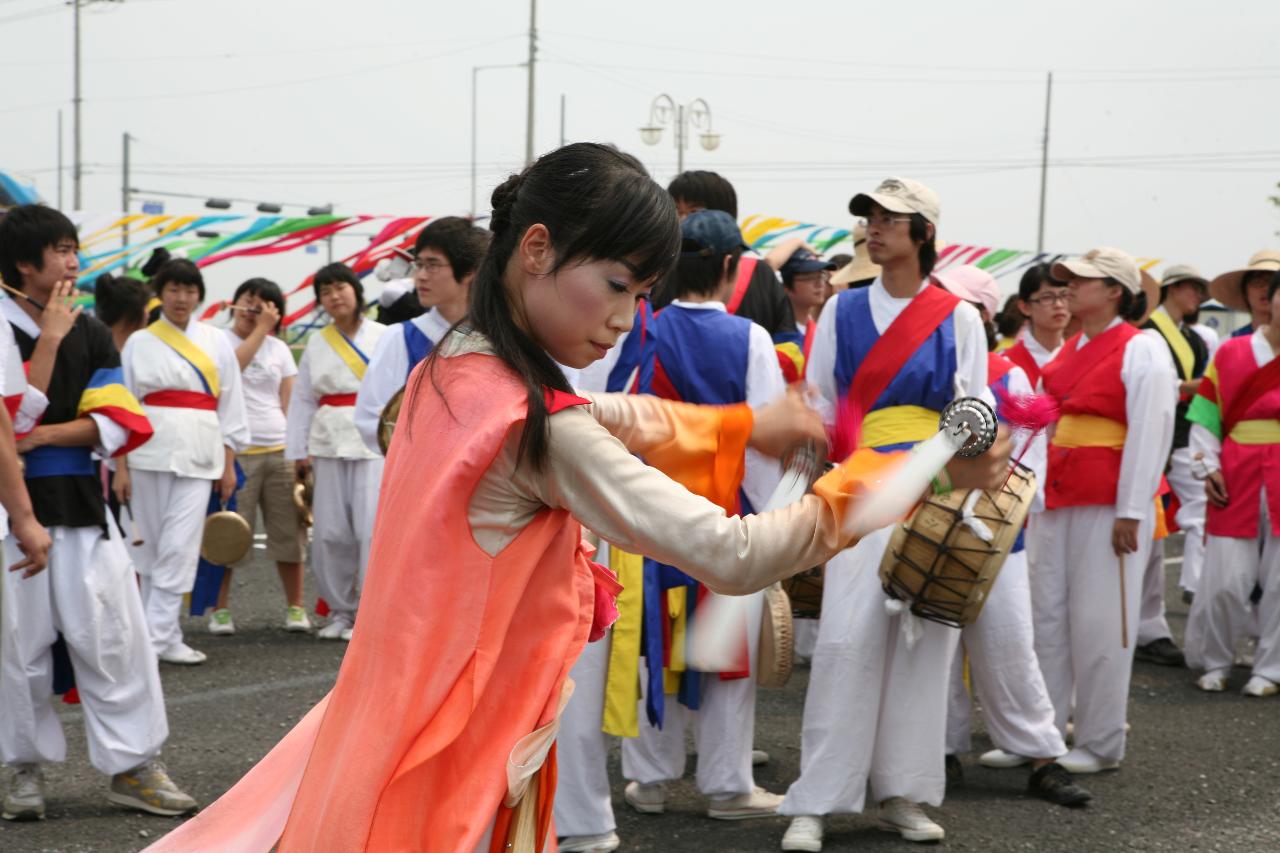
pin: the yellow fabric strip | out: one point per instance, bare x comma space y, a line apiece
1089, 431
184, 346
898, 425
261, 451
1181, 349
1256, 432
108, 396
340, 345
677, 599
622, 686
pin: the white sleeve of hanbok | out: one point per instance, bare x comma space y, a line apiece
1206, 445
302, 408
1150, 400
30, 410
765, 384
383, 377
971, 354
233, 416
820, 369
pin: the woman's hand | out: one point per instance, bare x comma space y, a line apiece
267, 318
1124, 536
1215, 488
122, 483
988, 471
227, 485
787, 423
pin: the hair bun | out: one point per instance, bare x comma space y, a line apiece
502, 201
157, 259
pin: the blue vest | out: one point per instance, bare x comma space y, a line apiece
416, 344
927, 378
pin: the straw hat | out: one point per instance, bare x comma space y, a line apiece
860, 268
1226, 287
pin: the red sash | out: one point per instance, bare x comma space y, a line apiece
746, 267
12, 403
1072, 366
338, 400
1021, 356
920, 319
1261, 381
173, 399
809, 334
997, 367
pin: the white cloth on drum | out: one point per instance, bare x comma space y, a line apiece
89, 594
584, 802
1075, 595
874, 712
806, 638
343, 509
1004, 673
169, 512
1221, 613
1152, 624
1193, 504
724, 729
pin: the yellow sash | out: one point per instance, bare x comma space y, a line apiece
191, 353
261, 451
898, 425
677, 600
1181, 349
1256, 432
622, 686
343, 348
1089, 431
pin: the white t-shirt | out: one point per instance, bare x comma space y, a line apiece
271, 365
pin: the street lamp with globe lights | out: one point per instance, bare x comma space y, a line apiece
665, 111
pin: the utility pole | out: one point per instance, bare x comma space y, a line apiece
533, 53
75, 103
1044, 162
60, 169
124, 190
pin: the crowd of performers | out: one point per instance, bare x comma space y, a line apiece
596, 391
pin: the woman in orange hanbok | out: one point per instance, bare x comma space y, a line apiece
439, 734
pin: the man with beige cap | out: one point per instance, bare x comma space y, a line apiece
875, 710
1116, 389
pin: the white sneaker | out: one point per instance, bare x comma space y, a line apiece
25, 798
606, 843
646, 799
908, 820
1213, 682
296, 620
220, 623
758, 803
1082, 761
1259, 686
804, 833
334, 630
346, 636
759, 757
183, 655
1001, 760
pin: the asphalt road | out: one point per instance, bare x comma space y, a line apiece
1203, 772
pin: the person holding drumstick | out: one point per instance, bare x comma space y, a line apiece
1116, 389
268, 370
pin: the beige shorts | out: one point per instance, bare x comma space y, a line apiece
268, 484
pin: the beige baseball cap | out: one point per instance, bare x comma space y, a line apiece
1226, 287
1114, 264
899, 195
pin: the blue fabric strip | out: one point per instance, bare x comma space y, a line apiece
58, 462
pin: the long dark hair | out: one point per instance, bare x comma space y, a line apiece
596, 203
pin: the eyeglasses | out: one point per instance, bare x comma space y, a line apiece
883, 222
1049, 299
430, 265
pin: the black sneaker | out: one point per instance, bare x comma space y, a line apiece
955, 771
1053, 783
1187, 597
1162, 652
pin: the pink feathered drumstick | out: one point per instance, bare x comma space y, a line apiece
1031, 412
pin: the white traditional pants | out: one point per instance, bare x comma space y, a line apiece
343, 509
584, 802
723, 728
875, 711
1005, 674
88, 592
169, 512
1152, 624
1075, 595
1222, 614
1193, 504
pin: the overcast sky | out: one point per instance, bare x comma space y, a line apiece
1165, 135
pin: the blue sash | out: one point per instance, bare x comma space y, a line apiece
416, 343
49, 461
632, 349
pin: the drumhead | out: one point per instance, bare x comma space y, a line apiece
776, 654
387, 421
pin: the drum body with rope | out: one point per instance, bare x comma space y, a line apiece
387, 420
943, 560
805, 592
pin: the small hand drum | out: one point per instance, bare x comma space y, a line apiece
387, 420
227, 538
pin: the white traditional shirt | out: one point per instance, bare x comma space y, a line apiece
187, 442
328, 431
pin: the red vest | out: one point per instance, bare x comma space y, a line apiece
1246, 468
1087, 382
1021, 356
